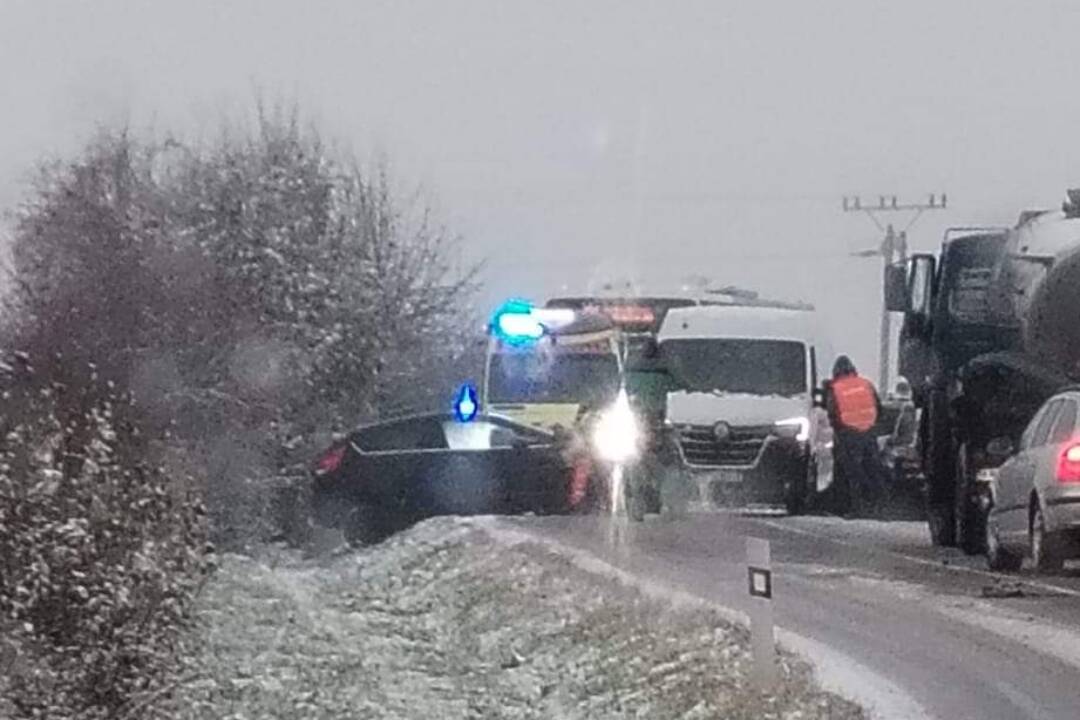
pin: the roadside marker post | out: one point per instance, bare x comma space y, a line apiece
762, 632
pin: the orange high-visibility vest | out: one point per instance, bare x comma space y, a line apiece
856, 404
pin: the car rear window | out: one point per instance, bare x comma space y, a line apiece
1065, 425
1042, 430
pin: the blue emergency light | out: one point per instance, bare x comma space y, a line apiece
515, 323
466, 404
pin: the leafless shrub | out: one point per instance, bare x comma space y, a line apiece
191, 324
98, 562
254, 296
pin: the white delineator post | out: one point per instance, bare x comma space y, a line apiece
762, 633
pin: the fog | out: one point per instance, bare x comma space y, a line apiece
571, 145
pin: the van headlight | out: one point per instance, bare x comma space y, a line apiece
796, 427
616, 435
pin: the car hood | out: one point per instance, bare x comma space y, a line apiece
703, 408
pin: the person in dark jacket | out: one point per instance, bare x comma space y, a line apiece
854, 407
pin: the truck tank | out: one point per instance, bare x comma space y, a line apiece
1037, 286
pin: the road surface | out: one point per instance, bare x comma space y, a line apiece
962, 642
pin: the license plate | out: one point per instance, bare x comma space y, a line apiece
729, 476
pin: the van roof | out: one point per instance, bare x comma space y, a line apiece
740, 321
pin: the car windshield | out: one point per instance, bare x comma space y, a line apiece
750, 366
552, 378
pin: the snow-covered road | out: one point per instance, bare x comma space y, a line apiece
920, 631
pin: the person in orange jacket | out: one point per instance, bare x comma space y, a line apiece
854, 408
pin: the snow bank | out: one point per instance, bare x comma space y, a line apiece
445, 621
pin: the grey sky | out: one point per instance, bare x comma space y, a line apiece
572, 141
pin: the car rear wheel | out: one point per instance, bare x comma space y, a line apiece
1046, 547
998, 557
366, 525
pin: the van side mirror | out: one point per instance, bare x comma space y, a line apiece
896, 293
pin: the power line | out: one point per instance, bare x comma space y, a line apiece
893, 249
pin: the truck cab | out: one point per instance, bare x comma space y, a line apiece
950, 315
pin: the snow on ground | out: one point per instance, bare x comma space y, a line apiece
447, 621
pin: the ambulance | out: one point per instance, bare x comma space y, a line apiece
550, 367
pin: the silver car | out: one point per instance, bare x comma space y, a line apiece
1034, 496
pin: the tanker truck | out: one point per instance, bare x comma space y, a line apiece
991, 329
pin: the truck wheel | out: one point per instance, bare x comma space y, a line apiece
942, 526
997, 557
1046, 548
970, 533
939, 466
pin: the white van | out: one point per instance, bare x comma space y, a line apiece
746, 416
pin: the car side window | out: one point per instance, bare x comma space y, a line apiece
487, 434
1041, 432
411, 434
1065, 425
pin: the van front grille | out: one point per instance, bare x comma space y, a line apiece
741, 448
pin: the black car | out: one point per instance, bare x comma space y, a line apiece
386, 476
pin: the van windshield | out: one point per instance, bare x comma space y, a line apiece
735, 365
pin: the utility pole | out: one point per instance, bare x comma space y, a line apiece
893, 249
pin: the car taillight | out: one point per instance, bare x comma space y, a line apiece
1069, 463
331, 461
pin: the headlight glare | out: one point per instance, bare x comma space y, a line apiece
617, 436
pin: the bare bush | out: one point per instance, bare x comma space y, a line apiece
99, 561
199, 320
253, 296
